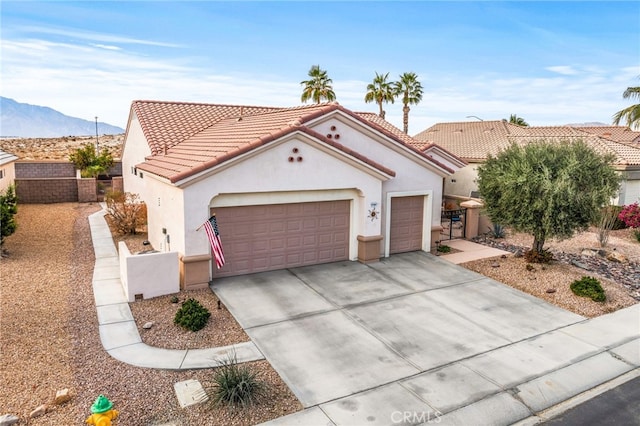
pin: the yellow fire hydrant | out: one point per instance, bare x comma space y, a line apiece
102, 412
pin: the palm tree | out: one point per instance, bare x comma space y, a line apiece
411, 91
318, 87
380, 91
632, 113
514, 119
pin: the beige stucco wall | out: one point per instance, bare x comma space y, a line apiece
9, 176
463, 181
265, 175
134, 152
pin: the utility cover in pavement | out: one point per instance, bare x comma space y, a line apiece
190, 392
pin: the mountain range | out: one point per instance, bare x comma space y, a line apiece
22, 120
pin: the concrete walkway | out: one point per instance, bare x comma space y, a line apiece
470, 251
118, 331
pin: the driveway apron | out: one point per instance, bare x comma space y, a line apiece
378, 338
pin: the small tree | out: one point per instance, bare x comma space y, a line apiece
90, 164
8, 209
547, 189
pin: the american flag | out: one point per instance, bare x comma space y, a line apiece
211, 228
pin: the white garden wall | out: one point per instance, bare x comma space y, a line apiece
150, 274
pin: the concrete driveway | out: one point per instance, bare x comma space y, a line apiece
402, 341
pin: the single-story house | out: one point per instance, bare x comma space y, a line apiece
288, 186
474, 141
7, 170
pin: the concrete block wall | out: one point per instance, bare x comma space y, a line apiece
44, 169
87, 190
35, 191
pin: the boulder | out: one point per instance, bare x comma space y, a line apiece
614, 256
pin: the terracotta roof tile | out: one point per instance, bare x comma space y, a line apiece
186, 139
616, 133
166, 124
475, 140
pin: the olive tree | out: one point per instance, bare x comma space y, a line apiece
547, 189
8, 209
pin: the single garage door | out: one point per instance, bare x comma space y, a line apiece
405, 233
279, 236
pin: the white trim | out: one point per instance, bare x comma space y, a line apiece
427, 211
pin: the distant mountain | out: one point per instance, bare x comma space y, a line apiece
589, 124
32, 121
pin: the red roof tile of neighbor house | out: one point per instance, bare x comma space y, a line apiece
475, 140
617, 133
217, 136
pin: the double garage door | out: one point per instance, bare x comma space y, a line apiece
268, 237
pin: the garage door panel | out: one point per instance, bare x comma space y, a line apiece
405, 233
262, 238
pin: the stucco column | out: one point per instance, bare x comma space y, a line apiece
369, 248
472, 217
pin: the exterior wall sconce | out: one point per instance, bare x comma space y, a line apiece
373, 212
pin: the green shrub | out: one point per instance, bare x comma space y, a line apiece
636, 232
8, 209
497, 231
533, 256
235, 385
443, 248
192, 315
589, 287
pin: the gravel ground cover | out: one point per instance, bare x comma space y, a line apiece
49, 338
621, 281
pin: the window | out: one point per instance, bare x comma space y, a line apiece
1, 173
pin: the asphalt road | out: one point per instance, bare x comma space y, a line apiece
619, 406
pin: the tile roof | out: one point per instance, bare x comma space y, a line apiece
6, 158
475, 140
166, 124
617, 133
183, 146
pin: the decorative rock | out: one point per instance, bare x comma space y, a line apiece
589, 252
551, 290
614, 256
8, 420
579, 265
147, 325
62, 396
504, 256
518, 254
40, 411
495, 265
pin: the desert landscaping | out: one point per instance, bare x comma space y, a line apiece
49, 332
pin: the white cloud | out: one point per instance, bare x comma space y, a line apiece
85, 35
85, 81
106, 47
563, 69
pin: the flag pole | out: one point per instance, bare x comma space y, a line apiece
199, 227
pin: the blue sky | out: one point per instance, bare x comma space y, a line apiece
549, 62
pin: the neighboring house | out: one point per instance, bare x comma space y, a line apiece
7, 170
474, 141
289, 186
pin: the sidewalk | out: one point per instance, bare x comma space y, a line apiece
118, 331
470, 251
